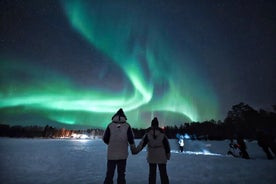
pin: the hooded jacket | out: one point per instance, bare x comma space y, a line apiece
117, 136
158, 147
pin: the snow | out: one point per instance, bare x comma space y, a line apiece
84, 161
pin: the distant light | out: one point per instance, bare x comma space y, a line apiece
204, 152
79, 136
186, 136
83, 136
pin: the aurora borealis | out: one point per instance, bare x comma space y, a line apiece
78, 62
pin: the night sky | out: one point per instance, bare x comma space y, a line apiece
77, 62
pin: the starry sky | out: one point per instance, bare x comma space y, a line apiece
75, 63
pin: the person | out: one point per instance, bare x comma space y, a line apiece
233, 149
242, 147
266, 142
117, 136
158, 151
181, 143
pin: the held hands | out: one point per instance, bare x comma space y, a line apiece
133, 149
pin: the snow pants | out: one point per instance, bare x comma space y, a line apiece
163, 173
121, 169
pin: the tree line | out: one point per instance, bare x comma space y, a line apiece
241, 120
45, 132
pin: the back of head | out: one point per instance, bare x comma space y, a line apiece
154, 123
119, 116
154, 126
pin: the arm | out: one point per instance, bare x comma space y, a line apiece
141, 145
130, 136
130, 139
167, 147
106, 135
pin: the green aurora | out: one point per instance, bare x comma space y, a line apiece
151, 82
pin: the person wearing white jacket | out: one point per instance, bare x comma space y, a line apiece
158, 151
118, 135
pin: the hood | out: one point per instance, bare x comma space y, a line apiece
119, 117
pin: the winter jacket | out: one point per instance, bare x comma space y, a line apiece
158, 149
117, 136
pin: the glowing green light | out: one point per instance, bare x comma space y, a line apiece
132, 40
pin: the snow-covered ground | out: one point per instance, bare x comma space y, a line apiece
84, 161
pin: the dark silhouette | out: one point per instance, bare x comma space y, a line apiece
117, 136
242, 147
240, 118
266, 142
233, 149
158, 152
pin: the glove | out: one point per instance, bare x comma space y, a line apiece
133, 149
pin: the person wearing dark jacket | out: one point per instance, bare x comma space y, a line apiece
266, 142
118, 135
158, 152
242, 147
